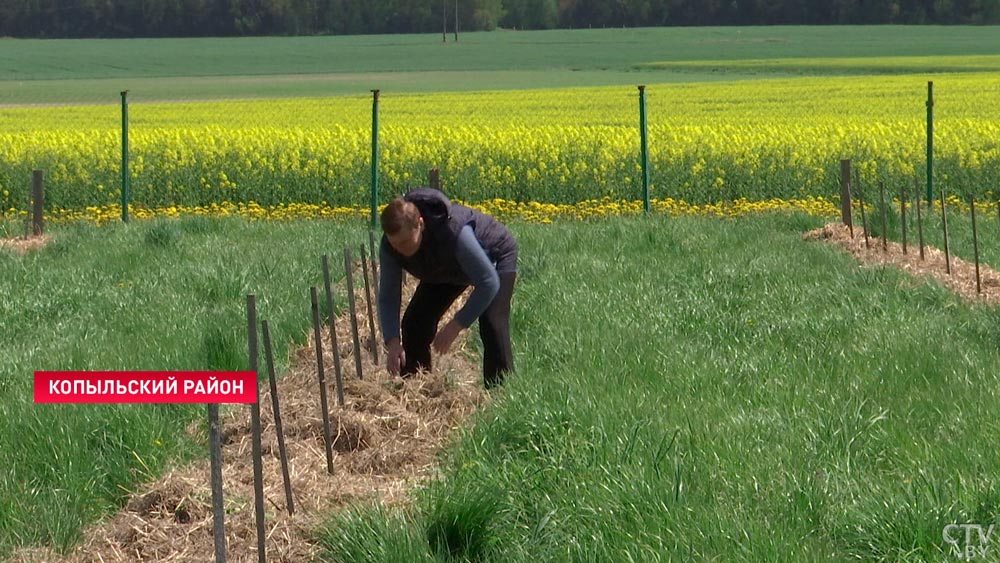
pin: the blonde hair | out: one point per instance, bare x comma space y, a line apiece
398, 214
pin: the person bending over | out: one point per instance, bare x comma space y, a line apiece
447, 247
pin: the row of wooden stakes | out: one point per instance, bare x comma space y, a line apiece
369, 270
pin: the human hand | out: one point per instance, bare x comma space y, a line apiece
446, 337
396, 357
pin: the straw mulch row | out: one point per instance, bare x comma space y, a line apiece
962, 279
384, 440
21, 245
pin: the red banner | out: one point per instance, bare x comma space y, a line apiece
145, 387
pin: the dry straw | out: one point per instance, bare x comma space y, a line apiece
962, 279
385, 440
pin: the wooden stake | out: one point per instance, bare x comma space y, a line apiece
331, 321
845, 194
218, 505
902, 213
349, 267
434, 178
864, 218
920, 228
885, 236
38, 208
371, 314
373, 260
975, 243
27, 215
944, 222
276, 409
258, 463
327, 441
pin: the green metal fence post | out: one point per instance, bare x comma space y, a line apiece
125, 173
930, 142
374, 158
645, 148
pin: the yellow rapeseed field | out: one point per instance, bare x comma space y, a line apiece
722, 148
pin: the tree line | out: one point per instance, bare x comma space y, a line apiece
182, 18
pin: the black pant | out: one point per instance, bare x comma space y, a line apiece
429, 303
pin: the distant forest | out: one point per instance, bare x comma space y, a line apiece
181, 18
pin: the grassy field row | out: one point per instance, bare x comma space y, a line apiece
688, 387
687, 390
94, 71
682, 387
149, 296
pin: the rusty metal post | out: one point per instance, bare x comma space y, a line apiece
349, 268
371, 313
327, 441
272, 381
434, 178
845, 194
975, 243
38, 203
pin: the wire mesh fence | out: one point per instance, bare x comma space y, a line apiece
313, 155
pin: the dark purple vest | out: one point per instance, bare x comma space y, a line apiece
435, 260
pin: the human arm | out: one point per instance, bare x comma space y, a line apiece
480, 270
389, 298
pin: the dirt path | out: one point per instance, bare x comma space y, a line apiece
962, 279
386, 438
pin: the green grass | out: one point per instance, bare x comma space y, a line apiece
96, 70
688, 389
165, 295
698, 389
867, 65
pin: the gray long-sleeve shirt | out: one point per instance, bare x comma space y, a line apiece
476, 265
